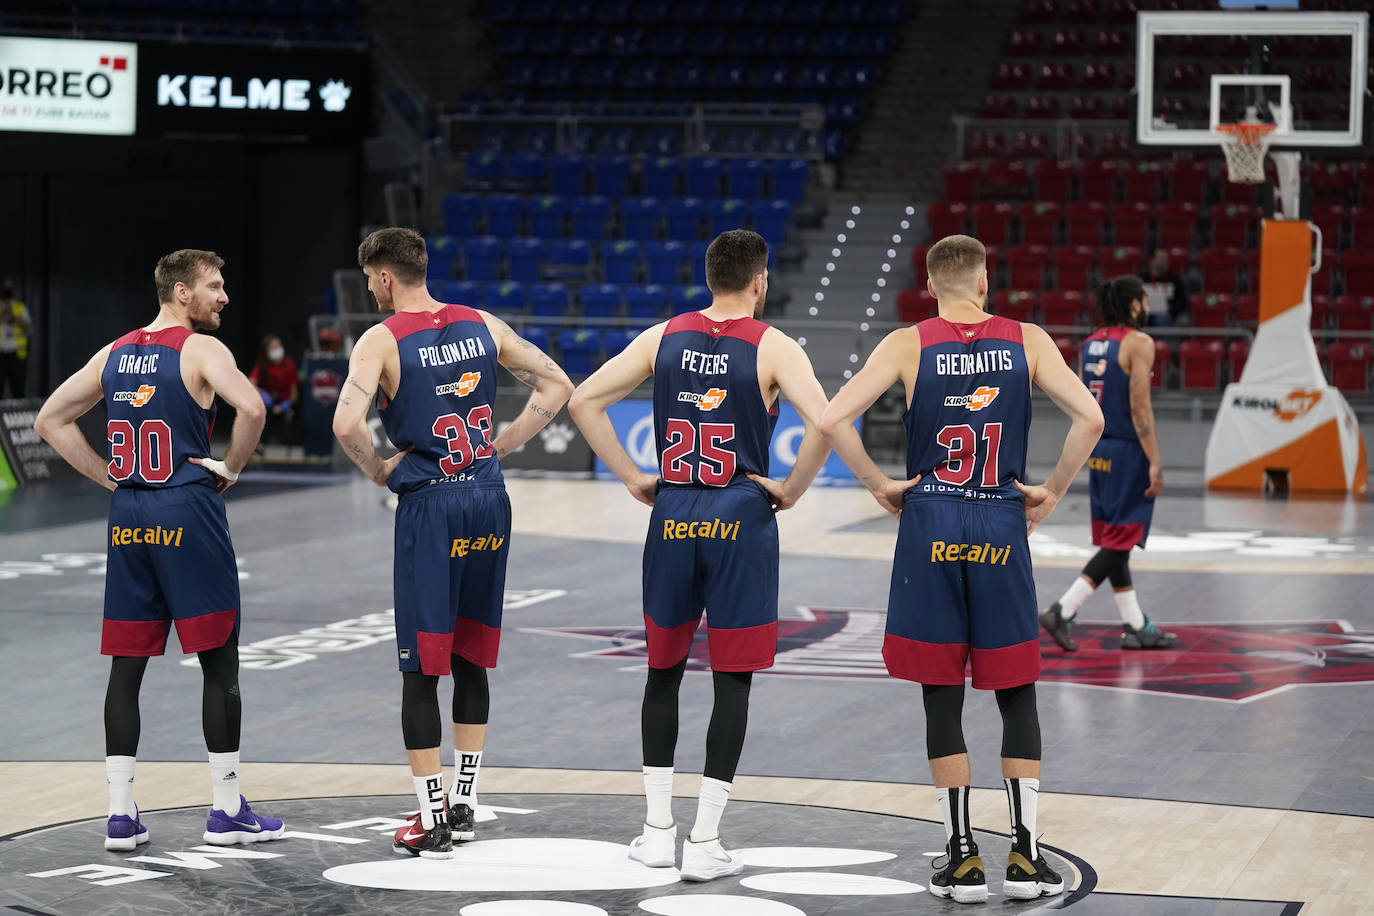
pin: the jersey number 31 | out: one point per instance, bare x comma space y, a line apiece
958, 467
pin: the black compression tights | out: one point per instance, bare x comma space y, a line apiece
420, 724
1110, 564
221, 708
724, 735
944, 721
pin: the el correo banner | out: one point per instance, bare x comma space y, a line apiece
59, 85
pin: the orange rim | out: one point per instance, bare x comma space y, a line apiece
1247, 133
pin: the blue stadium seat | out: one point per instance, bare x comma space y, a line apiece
614, 141
640, 217
771, 218
856, 77
665, 262
661, 141
580, 350
461, 214
834, 42
600, 73
549, 299
646, 303
569, 258
616, 341
792, 42
511, 41
526, 257
600, 300
661, 176
519, 72
690, 298
507, 297
443, 253
789, 178
482, 255
685, 74
569, 174
526, 171
843, 110
816, 76
834, 144
548, 214
746, 178
503, 215
461, 292
703, 177
620, 260
729, 75
591, 217
537, 336
611, 175
696, 256
728, 213
483, 169
684, 217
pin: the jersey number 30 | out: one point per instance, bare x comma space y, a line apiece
958, 468
717, 465
149, 451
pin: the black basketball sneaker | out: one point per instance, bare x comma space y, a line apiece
462, 822
414, 840
1059, 627
1147, 637
962, 876
1027, 880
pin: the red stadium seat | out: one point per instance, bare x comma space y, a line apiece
1053, 180
1162, 357
1330, 219
1331, 179
1032, 143
1322, 279
1097, 180
1353, 313
1042, 106
984, 144
1026, 264
1066, 43
992, 222
1364, 176
1247, 308
1220, 269
999, 106
1085, 221
946, 218
994, 262
1358, 267
918, 264
915, 305
1140, 181
1073, 266
1068, 348
1040, 223
1321, 312
1211, 310
1087, 108
1122, 259
1177, 220
1098, 75
1200, 362
1022, 43
1350, 362
1005, 180
1016, 304
1123, 11
1115, 144
1039, 11
1188, 180
1231, 225
1062, 307
1239, 194
1081, 11
1111, 43
1054, 75
1362, 224
961, 181
1011, 75
1237, 352
1131, 223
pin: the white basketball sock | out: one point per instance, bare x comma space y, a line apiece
954, 811
658, 790
1022, 796
119, 773
430, 791
1073, 599
1129, 607
710, 806
224, 782
465, 767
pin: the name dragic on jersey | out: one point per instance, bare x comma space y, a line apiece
1100, 357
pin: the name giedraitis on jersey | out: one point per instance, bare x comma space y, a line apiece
974, 363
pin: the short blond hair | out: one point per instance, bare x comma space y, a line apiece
955, 262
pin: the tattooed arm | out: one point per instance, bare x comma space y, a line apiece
350, 414
532, 367
1137, 359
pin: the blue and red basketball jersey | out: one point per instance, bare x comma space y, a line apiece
969, 416
154, 424
711, 426
1100, 358
444, 400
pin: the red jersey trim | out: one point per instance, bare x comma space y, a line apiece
749, 330
172, 338
940, 330
403, 324
1116, 332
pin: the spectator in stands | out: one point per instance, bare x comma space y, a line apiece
278, 382
15, 326
1167, 292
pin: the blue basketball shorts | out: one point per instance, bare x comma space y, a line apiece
450, 574
169, 560
712, 549
962, 595
1118, 475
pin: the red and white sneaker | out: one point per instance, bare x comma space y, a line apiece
414, 840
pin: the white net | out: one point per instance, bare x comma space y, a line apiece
1245, 146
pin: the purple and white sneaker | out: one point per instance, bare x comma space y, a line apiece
124, 833
244, 827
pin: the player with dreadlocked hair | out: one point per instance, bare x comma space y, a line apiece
1125, 472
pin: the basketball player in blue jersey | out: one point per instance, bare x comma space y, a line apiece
435, 366
962, 593
170, 559
1125, 471
712, 540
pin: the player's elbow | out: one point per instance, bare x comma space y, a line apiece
831, 423
580, 404
44, 424
1094, 422
254, 411
561, 387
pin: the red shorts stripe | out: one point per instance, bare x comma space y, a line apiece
476, 642
1009, 666
743, 648
435, 652
208, 631
1117, 537
924, 662
140, 638
670, 645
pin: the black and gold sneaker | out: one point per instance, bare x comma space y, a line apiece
962, 876
1027, 880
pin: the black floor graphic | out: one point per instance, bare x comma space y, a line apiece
535, 854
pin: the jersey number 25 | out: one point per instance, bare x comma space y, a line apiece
716, 466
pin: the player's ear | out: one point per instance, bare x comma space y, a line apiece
930, 288
983, 283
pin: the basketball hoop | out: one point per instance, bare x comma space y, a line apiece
1245, 144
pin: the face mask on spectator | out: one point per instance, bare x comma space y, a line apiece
275, 354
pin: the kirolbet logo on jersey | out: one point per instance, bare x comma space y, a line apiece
465, 385
138, 398
463, 546
157, 537
977, 401
970, 553
1096, 367
708, 401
